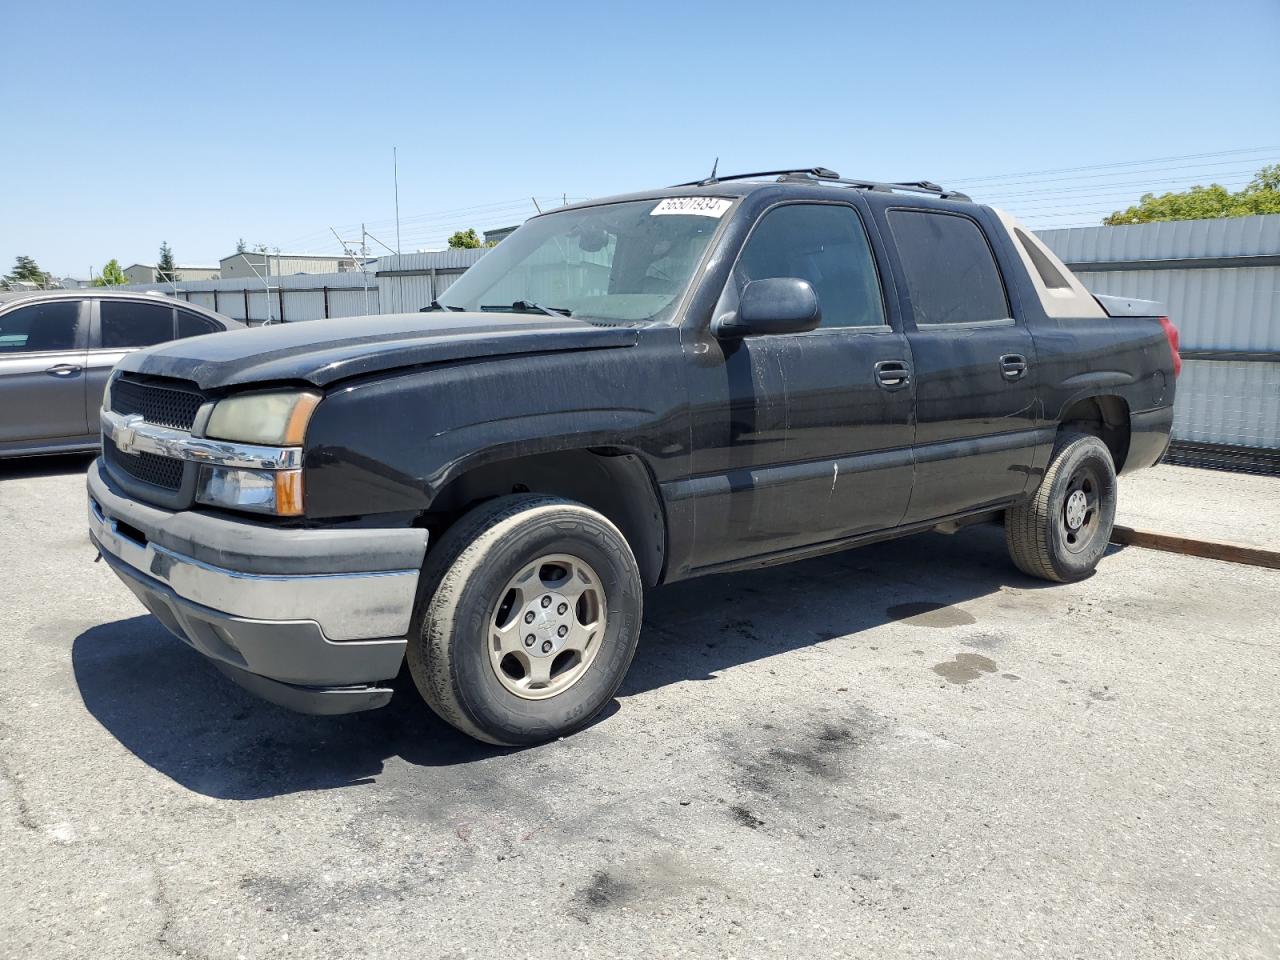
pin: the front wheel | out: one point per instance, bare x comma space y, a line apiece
533, 620
1062, 530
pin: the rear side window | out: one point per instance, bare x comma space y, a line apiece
950, 271
39, 327
826, 245
127, 324
193, 325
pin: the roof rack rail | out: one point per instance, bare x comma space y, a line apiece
821, 173
827, 175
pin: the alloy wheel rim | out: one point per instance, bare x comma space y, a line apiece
547, 626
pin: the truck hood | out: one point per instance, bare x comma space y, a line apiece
322, 352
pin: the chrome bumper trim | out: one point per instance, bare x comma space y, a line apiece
131, 434
346, 606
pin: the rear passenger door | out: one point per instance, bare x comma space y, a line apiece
120, 327
42, 371
975, 377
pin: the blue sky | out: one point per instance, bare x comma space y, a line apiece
275, 121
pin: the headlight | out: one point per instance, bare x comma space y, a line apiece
277, 492
273, 419
276, 419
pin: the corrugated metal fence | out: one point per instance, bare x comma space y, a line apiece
395, 284
1220, 280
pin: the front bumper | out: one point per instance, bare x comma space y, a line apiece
315, 620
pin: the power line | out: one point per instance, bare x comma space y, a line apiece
1092, 178
1119, 185
1105, 166
505, 209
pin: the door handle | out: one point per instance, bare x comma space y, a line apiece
1013, 366
893, 374
64, 370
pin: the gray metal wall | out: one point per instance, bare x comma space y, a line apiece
1220, 280
398, 284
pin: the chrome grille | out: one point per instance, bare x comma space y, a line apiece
172, 405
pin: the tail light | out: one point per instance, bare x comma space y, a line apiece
1171, 332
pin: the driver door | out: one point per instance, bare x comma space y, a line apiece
802, 439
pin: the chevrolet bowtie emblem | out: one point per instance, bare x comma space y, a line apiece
126, 434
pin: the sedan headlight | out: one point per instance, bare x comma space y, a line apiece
277, 419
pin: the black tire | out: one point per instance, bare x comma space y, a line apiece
1039, 532
474, 561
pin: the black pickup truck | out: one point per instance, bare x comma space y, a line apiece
623, 393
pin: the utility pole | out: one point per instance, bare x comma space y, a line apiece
265, 277
364, 265
395, 174
362, 258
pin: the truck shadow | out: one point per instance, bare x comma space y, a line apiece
176, 713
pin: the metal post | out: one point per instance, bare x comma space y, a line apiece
246, 304
325, 291
364, 269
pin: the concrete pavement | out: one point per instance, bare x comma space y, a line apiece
902, 751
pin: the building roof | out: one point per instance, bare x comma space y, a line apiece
178, 266
290, 256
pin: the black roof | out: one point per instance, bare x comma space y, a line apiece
825, 175
806, 181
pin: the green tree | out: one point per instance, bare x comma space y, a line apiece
27, 270
111, 276
165, 270
465, 240
241, 246
1261, 195
1266, 179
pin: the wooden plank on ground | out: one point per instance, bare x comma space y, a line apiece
1210, 549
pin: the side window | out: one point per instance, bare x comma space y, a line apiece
41, 326
131, 324
825, 244
193, 325
951, 273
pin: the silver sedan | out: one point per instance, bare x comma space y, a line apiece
57, 348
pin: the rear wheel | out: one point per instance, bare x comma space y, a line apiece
532, 622
1062, 530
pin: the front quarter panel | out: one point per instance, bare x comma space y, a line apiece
390, 444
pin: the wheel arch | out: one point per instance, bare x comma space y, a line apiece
1106, 416
617, 482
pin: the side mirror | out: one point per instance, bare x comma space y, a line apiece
773, 306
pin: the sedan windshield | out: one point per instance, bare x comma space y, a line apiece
616, 263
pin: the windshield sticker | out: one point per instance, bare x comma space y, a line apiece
692, 207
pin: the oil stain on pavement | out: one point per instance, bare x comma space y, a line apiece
965, 667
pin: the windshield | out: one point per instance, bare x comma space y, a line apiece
617, 263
